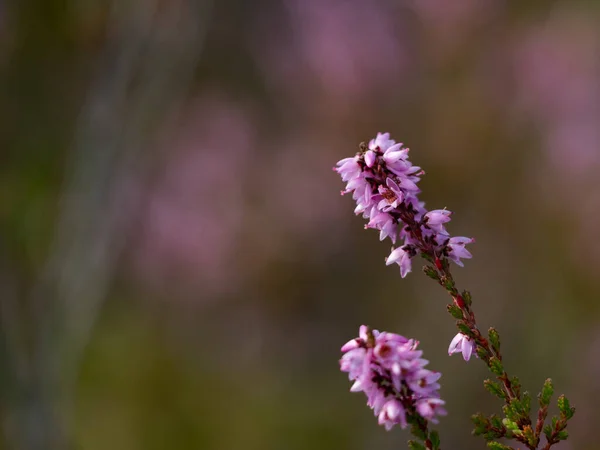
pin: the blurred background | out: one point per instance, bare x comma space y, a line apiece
177, 268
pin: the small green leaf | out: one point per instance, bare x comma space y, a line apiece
466, 295
414, 445
548, 431
483, 354
464, 328
546, 394
418, 432
482, 424
510, 413
493, 434
516, 386
434, 437
565, 407
526, 404
495, 389
496, 366
449, 284
494, 340
517, 409
529, 435
498, 446
431, 272
496, 422
562, 435
510, 425
455, 311
427, 257
479, 419
563, 404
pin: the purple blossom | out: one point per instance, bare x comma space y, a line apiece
457, 250
464, 344
402, 258
389, 369
384, 184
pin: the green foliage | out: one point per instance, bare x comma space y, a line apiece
526, 404
565, 408
517, 409
464, 328
511, 425
455, 311
495, 389
496, 366
431, 272
434, 437
548, 432
494, 340
562, 435
546, 394
529, 435
427, 257
490, 428
466, 295
417, 429
516, 386
496, 421
414, 445
449, 284
498, 446
483, 354
481, 423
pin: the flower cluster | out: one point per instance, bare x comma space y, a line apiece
389, 369
383, 182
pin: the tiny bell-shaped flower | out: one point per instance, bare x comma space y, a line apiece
401, 257
462, 343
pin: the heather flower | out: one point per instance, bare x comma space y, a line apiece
429, 407
457, 250
389, 369
384, 184
385, 223
402, 257
391, 414
462, 343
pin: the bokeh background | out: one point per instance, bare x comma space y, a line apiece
177, 268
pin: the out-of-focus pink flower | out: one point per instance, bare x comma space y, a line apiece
195, 206
325, 50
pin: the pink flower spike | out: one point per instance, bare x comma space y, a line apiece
462, 343
389, 369
384, 184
